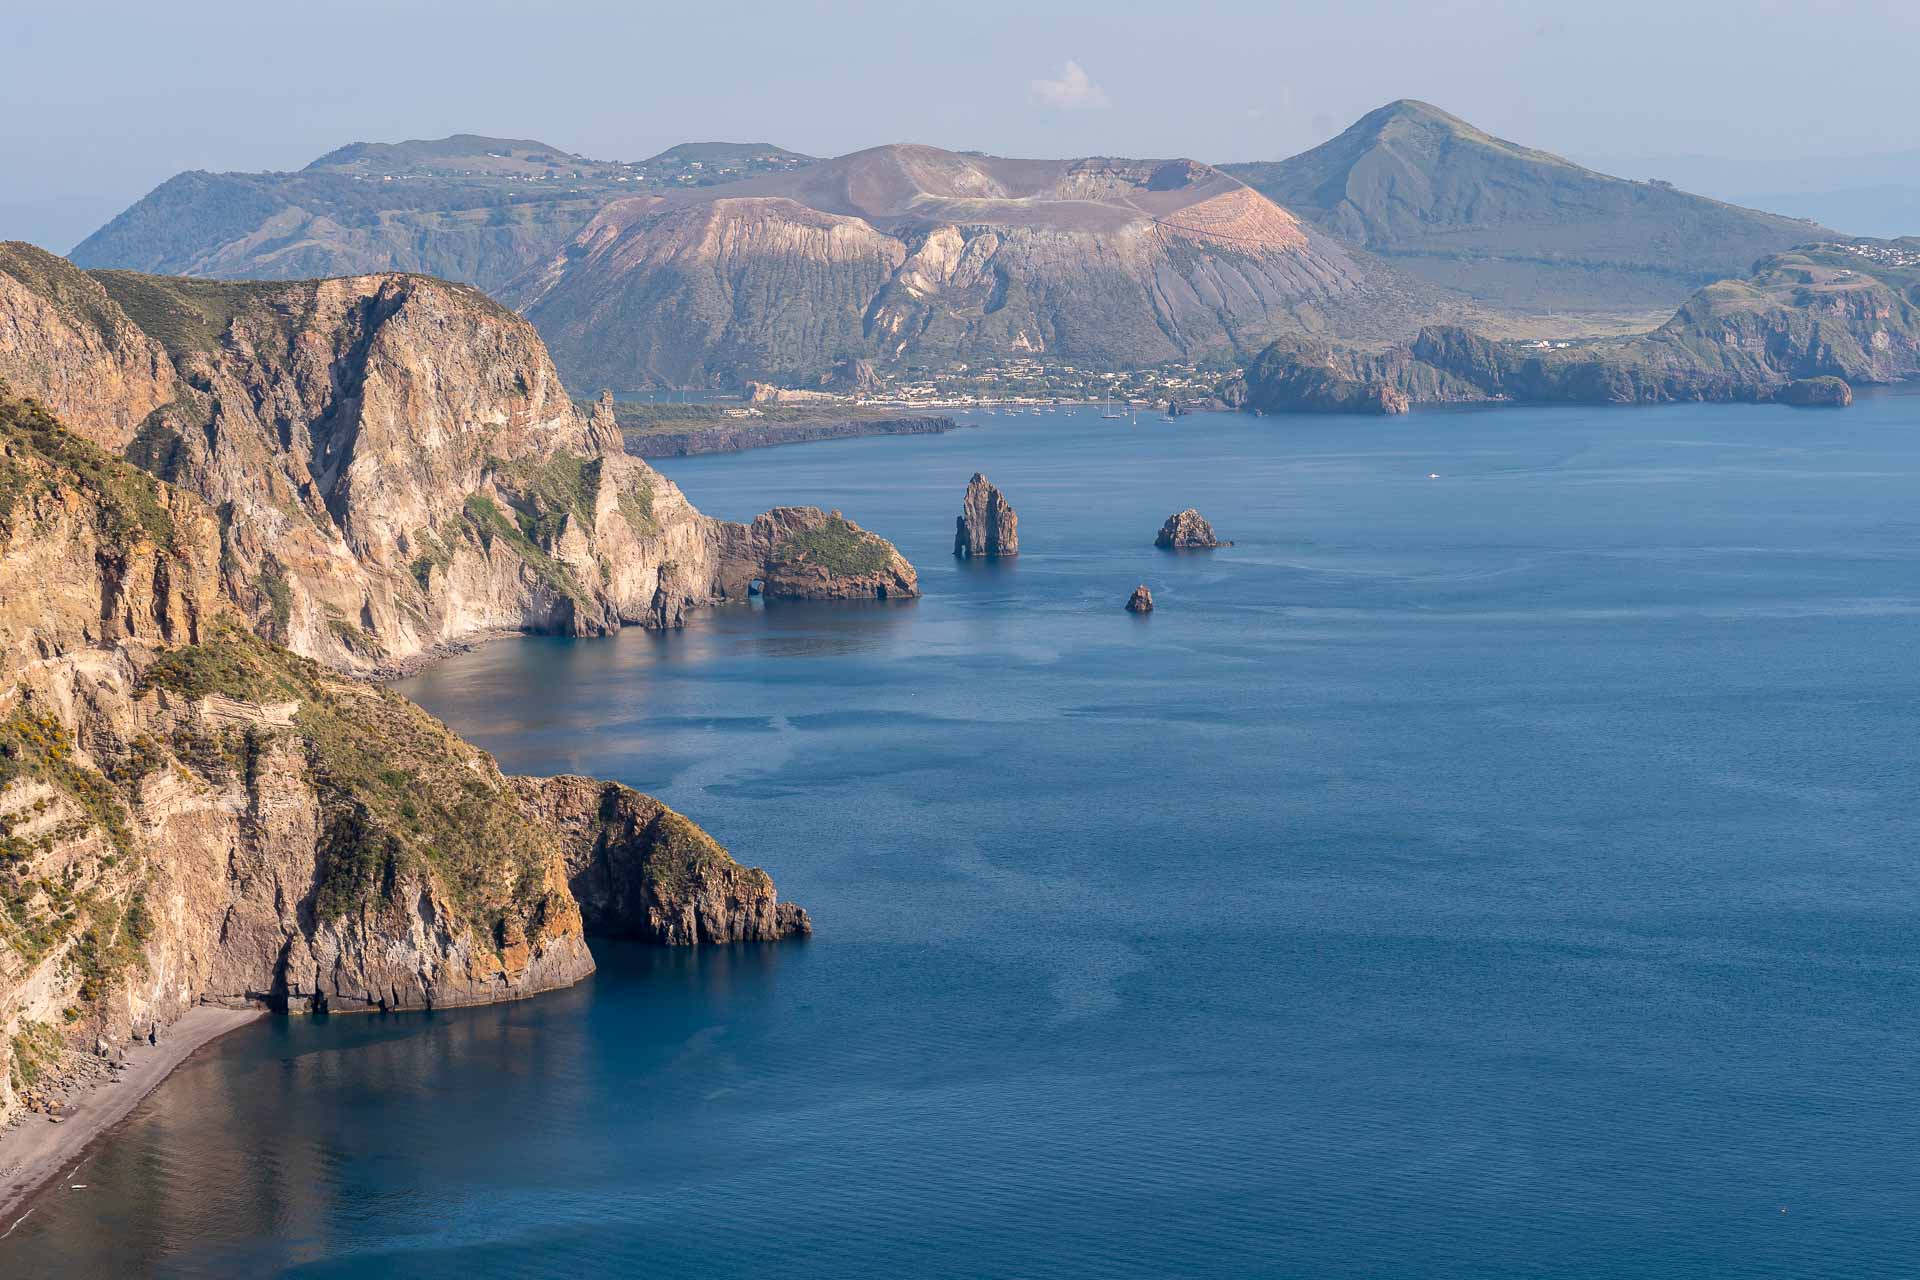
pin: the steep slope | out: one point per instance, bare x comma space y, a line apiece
467, 208
394, 461
1511, 226
912, 253
190, 814
1801, 327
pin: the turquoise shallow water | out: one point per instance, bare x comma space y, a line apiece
1505, 874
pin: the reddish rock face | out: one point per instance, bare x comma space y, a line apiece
1187, 530
987, 525
1141, 601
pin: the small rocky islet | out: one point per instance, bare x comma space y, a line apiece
1141, 601
1187, 531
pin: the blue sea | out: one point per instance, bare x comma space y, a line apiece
1501, 862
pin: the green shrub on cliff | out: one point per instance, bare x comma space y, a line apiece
36, 453
399, 793
837, 546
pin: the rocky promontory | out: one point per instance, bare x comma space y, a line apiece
1304, 377
1816, 393
640, 870
1187, 531
191, 814
987, 526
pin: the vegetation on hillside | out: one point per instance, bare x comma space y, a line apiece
837, 546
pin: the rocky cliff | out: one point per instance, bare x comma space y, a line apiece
1307, 377
640, 870
394, 462
192, 814
987, 525
1848, 312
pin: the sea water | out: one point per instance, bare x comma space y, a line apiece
1500, 862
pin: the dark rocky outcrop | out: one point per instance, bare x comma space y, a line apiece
1816, 393
987, 525
640, 870
804, 553
1305, 377
1187, 531
1141, 601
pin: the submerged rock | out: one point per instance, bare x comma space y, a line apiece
1187, 530
987, 525
1816, 393
1141, 601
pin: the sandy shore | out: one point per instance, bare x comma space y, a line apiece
35, 1151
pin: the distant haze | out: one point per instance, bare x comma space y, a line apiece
104, 99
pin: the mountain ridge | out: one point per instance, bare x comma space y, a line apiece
1512, 226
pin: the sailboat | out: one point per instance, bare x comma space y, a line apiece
1111, 411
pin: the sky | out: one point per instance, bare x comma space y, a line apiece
105, 99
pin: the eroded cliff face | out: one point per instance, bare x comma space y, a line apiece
640, 870
394, 462
192, 814
91, 364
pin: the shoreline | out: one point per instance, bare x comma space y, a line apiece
35, 1152
736, 437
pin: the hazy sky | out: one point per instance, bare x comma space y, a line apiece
103, 99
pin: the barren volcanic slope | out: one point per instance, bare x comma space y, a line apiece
907, 252
1513, 227
467, 208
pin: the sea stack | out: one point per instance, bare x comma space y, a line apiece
987, 524
1187, 531
1141, 601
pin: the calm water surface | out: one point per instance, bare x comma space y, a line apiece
1505, 874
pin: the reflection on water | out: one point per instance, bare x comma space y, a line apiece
1504, 875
